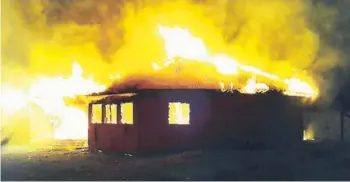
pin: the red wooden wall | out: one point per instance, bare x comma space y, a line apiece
264, 118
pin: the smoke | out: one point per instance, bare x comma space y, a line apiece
284, 37
331, 64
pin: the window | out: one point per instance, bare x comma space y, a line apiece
111, 114
179, 113
96, 113
127, 113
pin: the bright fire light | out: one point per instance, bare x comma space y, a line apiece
309, 133
180, 43
179, 113
12, 99
50, 92
253, 87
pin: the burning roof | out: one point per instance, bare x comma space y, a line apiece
175, 76
179, 75
190, 65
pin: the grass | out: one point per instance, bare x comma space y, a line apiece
311, 161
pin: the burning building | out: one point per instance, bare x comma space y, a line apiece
195, 99
150, 113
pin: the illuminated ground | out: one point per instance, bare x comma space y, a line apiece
310, 162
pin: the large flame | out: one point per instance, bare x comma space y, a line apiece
12, 99
180, 43
49, 94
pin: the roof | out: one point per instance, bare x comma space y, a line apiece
184, 75
149, 83
196, 94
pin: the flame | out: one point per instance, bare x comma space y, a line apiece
12, 99
253, 87
309, 133
156, 66
115, 77
179, 113
180, 43
297, 87
127, 113
49, 94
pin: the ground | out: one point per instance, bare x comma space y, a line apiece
322, 161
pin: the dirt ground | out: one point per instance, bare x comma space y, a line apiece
325, 161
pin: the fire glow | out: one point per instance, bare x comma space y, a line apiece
180, 43
49, 93
309, 133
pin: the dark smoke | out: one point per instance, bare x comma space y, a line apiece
334, 37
